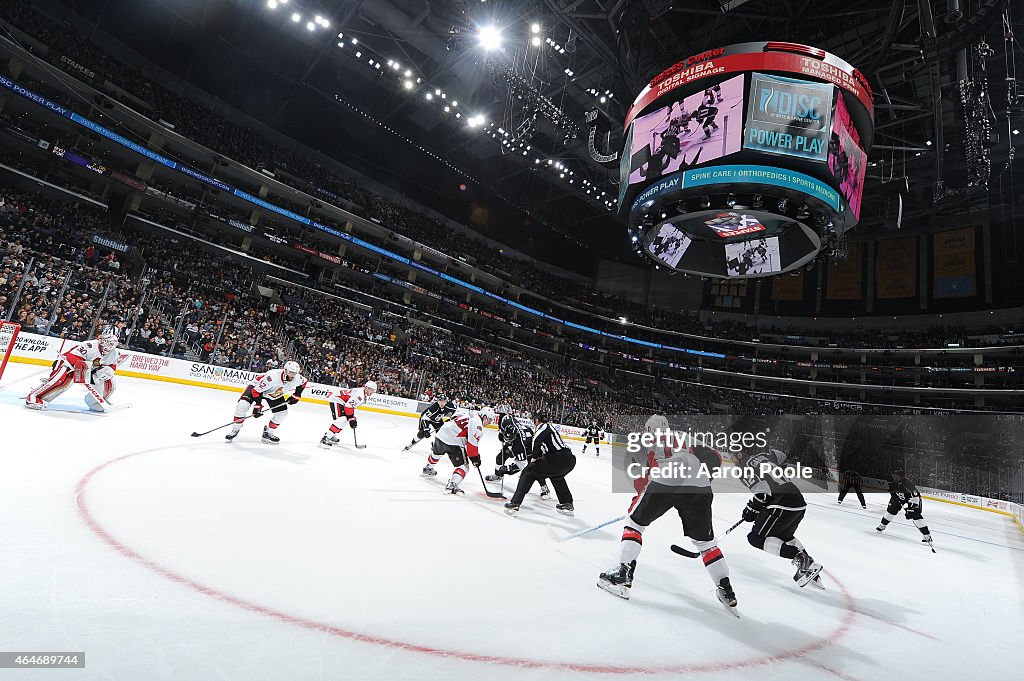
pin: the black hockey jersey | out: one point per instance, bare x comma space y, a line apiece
594, 432
546, 441
515, 437
905, 493
435, 414
771, 489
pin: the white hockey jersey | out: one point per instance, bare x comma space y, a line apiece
463, 430
89, 352
271, 385
348, 398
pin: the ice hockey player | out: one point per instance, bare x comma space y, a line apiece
678, 486
343, 403
280, 388
549, 458
705, 117
432, 418
593, 434
458, 439
713, 94
852, 480
776, 510
91, 363
904, 493
516, 445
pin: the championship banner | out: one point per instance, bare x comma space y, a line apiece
788, 287
896, 268
953, 264
788, 117
844, 278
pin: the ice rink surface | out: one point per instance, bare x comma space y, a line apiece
169, 557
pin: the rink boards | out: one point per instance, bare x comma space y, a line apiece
31, 348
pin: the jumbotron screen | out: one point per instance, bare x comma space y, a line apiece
697, 129
746, 160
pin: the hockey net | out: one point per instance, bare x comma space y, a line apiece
8, 335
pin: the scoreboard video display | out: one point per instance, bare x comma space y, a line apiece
763, 144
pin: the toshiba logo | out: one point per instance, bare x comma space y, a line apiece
686, 63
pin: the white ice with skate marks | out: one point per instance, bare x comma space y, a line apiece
194, 558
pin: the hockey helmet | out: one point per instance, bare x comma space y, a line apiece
486, 413
292, 368
107, 341
370, 387
541, 416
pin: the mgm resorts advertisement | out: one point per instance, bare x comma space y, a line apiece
789, 117
736, 453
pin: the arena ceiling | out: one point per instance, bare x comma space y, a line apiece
594, 55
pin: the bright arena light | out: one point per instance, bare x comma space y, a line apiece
490, 37
408, 85
272, 4
535, 40
535, 27
296, 16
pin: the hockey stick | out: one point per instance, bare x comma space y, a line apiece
229, 423
493, 495
104, 405
554, 535
356, 440
693, 554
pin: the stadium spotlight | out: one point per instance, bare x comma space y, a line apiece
408, 85
272, 4
310, 25
296, 16
535, 27
490, 37
535, 41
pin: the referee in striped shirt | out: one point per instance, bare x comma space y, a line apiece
550, 458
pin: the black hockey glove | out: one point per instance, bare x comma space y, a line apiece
352, 423
257, 410
293, 400
749, 514
475, 460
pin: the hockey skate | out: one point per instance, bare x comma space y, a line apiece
726, 596
881, 527
564, 509
511, 509
492, 478
269, 437
428, 471
619, 580
232, 435
327, 442
545, 493
807, 569
33, 402
453, 488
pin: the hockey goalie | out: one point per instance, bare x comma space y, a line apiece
91, 364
